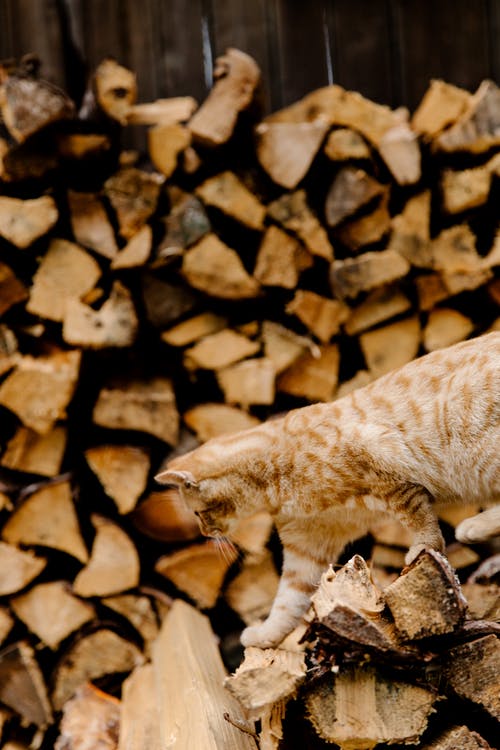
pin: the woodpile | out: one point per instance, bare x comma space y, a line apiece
241, 267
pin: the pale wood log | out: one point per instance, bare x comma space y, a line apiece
115, 324
66, 272
18, 568
143, 405
322, 316
362, 378
22, 686
198, 570
311, 376
249, 382
91, 719
210, 420
219, 350
9, 352
453, 514
351, 189
36, 454
12, 290
410, 235
114, 564
286, 150
228, 193
468, 188
137, 250
458, 737
216, 269
139, 611
472, 672
441, 106
122, 470
483, 600
392, 533
431, 290
462, 281
90, 223
344, 143
379, 306
280, 259
282, 346
454, 252
186, 223
47, 518
387, 557
162, 111
400, 149
82, 145
191, 161
445, 327
115, 89
191, 698
460, 556
251, 593
492, 259
6, 625
90, 657
194, 328
252, 535
51, 612
391, 346
165, 302
366, 229
236, 76
476, 130
134, 196
165, 144
140, 719
165, 516
24, 221
353, 275
293, 213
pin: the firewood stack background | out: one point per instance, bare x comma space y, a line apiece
239, 268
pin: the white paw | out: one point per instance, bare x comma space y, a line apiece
261, 636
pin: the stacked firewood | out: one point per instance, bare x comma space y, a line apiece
150, 301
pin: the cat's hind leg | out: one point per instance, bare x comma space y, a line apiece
479, 528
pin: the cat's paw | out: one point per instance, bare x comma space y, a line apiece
261, 636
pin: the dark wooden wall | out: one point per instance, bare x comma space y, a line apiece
386, 49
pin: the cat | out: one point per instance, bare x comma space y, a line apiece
427, 432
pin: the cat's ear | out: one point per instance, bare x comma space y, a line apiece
177, 479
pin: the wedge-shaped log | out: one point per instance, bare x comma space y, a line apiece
90, 718
293, 213
134, 195
17, 568
216, 269
230, 195
115, 324
211, 420
36, 454
122, 471
24, 221
22, 686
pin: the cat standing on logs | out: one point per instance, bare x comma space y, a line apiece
428, 432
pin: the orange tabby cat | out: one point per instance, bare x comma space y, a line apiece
427, 432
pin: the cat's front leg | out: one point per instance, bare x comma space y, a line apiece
413, 505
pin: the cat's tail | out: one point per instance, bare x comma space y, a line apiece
480, 528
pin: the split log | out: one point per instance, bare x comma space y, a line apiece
251, 593
371, 269
115, 89
218, 350
137, 250
472, 672
211, 420
186, 223
115, 324
431, 290
444, 328
6, 625
282, 346
293, 213
400, 150
216, 269
483, 601
410, 235
164, 515
350, 190
366, 230
139, 612
22, 686
311, 376
134, 196
391, 346
458, 737
344, 143
140, 719
362, 377
441, 106
476, 130
468, 188
123, 472
12, 290
280, 259
194, 328
90, 223
82, 145
18, 568
460, 556
380, 305
165, 144
169, 111
90, 719
226, 192
249, 382
36, 454
391, 533
165, 302
22, 222
322, 316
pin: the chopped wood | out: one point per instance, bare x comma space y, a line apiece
114, 564
162, 111
441, 106
122, 470
12, 290
380, 305
198, 570
165, 144
410, 235
286, 150
36, 454
90, 657
371, 269
66, 272
24, 221
322, 316
458, 737
282, 346
90, 719
227, 192
115, 89
236, 76
191, 698
249, 382
18, 568
368, 229
47, 518
483, 601
165, 516
460, 556
391, 532
143, 405
468, 188
461, 281
139, 611
351, 189
281, 259
313, 376
387, 557
51, 612
344, 143
214, 268
219, 350
431, 290
90, 223
194, 328
212, 419
134, 196
9, 353
186, 223
82, 145
115, 324
362, 377
6, 625
251, 593
292, 212
391, 346
454, 251
165, 302
137, 250
476, 130
400, 149
140, 719
454, 514
22, 686
445, 327
472, 671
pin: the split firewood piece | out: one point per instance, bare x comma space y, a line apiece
462, 281
362, 378
351, 189
410, 235
194, 328
115, 324
366, 229
441, 106
219, 350
90, 223
454, 251
492, 259
12, 290
322, 316
384, 711
211, 420
165, 302
90, 719
165, 516
391, 533
252, 535
40, 388
353, 275
139, 611
431, 290
391, 346
47, 518
227, 192
472, 672
344, 143
123, 472
251, 593
137, 250
90, 657
24, 221
400, 149
186, 223
281, 259
444, 328
313, 376
198, 570
115, 89
461, 556
36, 454
192, 701
17, 568
379, 306
169, 111
51, 612
249, 382
66, 272
82, 145
476, 130
6, 625
216, 269
293, 213
282, 346
483, 601
387, 557
426, 599
458, 737
22, 686
9, 353
453, 514
165, 144
134, 196
468, 188
286, 150
140, 719
236, 76
114, 562
143, 405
